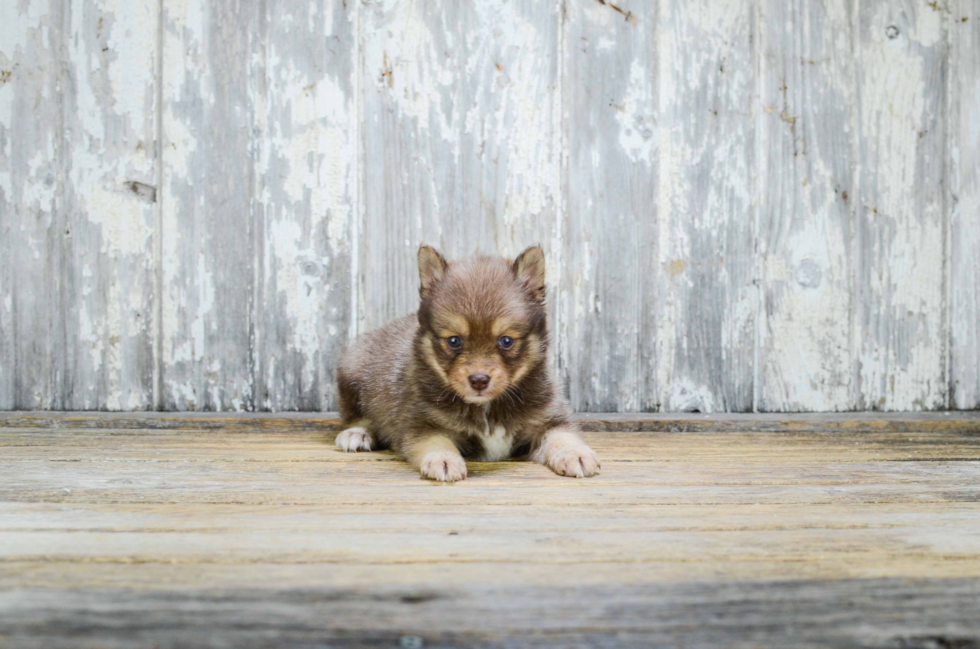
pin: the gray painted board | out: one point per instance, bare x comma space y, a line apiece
306, 175
900, 213
33, 242
210, 83
964, 177
708, 299
77, 169
746, 204
609, 236
259, 193
807, 159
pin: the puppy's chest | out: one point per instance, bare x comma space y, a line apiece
497, 442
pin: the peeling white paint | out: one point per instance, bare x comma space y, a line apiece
963, 281
637, 134
901, 358
20, 23
42, 189
685, 169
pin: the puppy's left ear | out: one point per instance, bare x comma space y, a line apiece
529, 268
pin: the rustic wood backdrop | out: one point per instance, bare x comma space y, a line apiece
746, 204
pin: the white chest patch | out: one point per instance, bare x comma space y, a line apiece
496, 444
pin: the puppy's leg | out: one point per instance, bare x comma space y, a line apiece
564, 452
437, 458
356, 437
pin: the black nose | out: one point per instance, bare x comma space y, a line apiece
479, 381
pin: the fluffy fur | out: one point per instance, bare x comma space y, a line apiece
465, 377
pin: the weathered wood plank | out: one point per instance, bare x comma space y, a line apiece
902, 330
608, 338
34, 232
806, 613
964, 182
228, 537
640, 470
461, 140
259, 200
110, 123
561, 544
211, 78
631, 448
143, 518
808, 148
966, 422
306, 174
77, 100
707, 299
122, 572
697, 496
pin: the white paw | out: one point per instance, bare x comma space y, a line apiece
444, 466
354, 439
578, 461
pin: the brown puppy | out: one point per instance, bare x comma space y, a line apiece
467, 376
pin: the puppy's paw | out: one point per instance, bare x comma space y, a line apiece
444, 466
354, 439
572, 460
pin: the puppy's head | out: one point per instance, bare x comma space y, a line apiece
482, 321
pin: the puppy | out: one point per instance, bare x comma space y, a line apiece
465, 377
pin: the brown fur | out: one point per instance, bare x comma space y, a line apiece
403, 387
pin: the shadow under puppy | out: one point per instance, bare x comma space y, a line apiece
467, 376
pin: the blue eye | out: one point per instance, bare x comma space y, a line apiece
454, 342
505, 342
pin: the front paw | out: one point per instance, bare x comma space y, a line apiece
444, 466
354, 439
574, 461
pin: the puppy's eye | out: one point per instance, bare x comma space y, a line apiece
505, 342
454, 342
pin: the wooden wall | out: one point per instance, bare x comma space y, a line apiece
767, 205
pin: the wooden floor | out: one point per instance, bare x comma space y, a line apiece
185, 531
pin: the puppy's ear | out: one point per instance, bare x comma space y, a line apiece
432, 268
529, 268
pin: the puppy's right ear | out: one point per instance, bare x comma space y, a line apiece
432, 268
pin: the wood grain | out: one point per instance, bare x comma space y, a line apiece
34, 245
707, 298
258, 204
806, 140
901, 211
208, 225
77, 176
307, 182
250, 536
964, 180
794, 613
610, 95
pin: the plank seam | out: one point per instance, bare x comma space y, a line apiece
561, 208
758, 263
158, 222
947, 217
357, 209
857, 311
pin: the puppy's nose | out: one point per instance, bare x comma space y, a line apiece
479, 381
